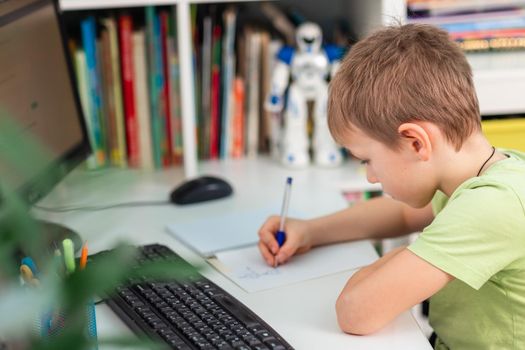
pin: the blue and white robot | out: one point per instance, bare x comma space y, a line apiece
308, 66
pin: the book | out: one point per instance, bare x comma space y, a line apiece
118, 155
195, 15
274, 120
238, 118
266, 80
280, 22
89, 44
83, 90
510, 23
142, 100
215, 98
492, 44
156, 84
128, 89
228, 72
480, 16
176, 114
253, 79
441, 7
486, 34
113, 151
206, 64
166, 146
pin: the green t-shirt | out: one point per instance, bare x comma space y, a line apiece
478, 236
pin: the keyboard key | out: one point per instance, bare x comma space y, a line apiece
259, 347
242, 347
274, 344
223, 346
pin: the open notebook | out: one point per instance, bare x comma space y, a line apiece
231, 230
246, 267
232, 249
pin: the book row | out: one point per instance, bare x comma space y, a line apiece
487, 25
127, 74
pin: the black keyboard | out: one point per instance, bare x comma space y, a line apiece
190, 314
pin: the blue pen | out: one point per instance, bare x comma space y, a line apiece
280, 236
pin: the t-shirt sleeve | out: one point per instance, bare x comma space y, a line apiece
478, 233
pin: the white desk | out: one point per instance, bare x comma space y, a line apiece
303, 313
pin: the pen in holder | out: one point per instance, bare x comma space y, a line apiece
53, 322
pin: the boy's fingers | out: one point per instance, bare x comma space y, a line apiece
286, 251
269, 239
267, 255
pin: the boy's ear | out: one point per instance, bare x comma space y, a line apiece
417, 138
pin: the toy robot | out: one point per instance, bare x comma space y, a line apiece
309, 67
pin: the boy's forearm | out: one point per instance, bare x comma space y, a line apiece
377, 218
367, 270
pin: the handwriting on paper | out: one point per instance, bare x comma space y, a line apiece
249, 273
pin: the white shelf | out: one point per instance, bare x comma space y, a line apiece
499, 78
70, 5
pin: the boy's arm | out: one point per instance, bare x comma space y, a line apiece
377, 218
378, 293
367, 270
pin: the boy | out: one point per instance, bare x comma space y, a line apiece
403, 102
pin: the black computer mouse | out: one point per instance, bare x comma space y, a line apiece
200, 189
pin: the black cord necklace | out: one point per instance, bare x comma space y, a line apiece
493, 151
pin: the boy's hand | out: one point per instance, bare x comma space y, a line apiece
297, 240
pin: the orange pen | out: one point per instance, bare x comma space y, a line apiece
83, 256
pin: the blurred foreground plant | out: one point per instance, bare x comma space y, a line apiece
22, 306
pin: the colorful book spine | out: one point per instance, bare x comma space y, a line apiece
487, 25
492, 44
88, 30
142, 100
228, 61
238, 118
253, 81
215, 104
166, 146
155, 83
83, 90
176, 114
118, 155
206, 63
108, 98
486, 34
128, 88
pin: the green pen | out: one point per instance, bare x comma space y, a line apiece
69, 255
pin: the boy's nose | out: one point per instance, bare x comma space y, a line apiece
370, 177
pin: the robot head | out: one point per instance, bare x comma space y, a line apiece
309, 37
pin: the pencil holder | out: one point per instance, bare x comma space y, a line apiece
52, 324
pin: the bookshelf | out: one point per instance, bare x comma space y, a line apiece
184, 48
499, 77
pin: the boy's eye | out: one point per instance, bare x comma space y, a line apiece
365, 162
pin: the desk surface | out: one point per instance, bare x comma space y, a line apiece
305, 314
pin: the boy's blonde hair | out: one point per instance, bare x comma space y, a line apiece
402, 74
